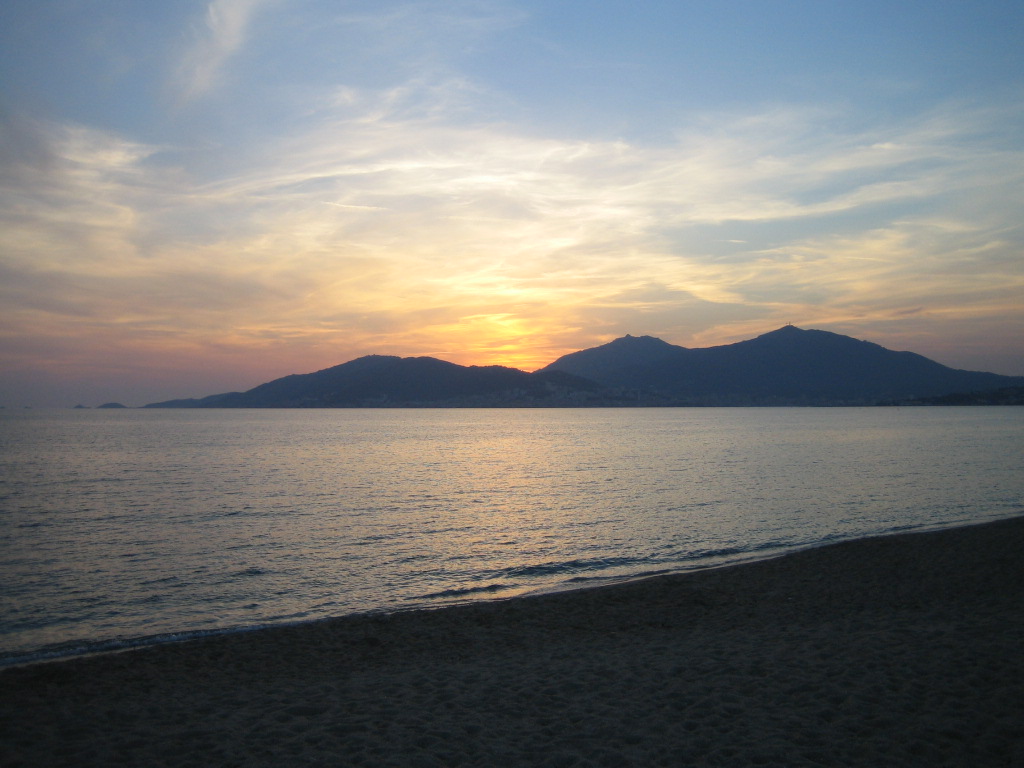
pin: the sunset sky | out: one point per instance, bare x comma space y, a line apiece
198, 197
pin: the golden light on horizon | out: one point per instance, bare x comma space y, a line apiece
223, 204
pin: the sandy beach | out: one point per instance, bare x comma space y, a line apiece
895, 651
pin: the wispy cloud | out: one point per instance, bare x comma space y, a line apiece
428, 177
220, 34
381, 226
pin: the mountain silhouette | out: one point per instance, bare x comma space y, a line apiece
788, 366
383, 380
623, 362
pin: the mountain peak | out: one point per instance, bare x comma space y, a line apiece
787, 366
626, 352
787, 330
639, 341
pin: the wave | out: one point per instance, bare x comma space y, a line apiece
570, 566
676, 559
463, 592
523, 579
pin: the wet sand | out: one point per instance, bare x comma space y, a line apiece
895, 651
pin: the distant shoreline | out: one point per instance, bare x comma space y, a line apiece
971, 400
786, 367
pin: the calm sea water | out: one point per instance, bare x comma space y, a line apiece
120, 527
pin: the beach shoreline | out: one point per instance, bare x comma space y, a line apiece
895, 650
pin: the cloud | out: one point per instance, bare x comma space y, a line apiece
221, 34
381, 225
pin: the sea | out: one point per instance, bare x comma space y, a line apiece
121, 528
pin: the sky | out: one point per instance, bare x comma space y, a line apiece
200, 196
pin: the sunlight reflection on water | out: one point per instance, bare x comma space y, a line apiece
132, 523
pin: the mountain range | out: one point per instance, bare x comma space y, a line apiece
788, 366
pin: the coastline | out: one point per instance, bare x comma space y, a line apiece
896, 650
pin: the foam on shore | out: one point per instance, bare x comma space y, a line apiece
900, 650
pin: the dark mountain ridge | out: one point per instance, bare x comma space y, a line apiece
387, 381
788, 366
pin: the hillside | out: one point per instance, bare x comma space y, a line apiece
788, 366
386, 381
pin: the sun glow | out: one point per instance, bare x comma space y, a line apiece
277, 187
